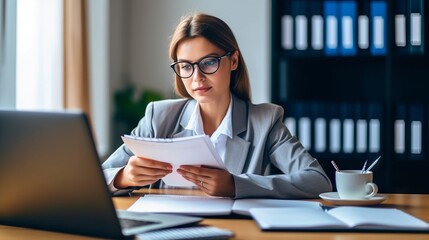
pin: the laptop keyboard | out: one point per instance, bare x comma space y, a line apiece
130, 223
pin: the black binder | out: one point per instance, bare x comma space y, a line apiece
363, 27
287, 27
301, 23
316, 30
319, 129
361, 116
401, 28
416, 128
416, 25
400, 133
375, 115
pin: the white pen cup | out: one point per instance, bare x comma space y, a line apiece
355, 185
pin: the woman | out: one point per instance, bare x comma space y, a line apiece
262, 157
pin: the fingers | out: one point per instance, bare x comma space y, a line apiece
200, 176
213, 181
124, 179
149, 163
141, 171
199, 170
142, 180
195, 173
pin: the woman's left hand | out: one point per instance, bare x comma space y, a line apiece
213, 181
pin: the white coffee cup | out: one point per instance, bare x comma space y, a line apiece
354, 185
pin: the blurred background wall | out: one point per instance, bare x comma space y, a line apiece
126, 47
139, 34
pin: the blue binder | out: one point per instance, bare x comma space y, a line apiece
378, 22
347, 28
331, 27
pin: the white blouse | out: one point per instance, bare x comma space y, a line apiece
219, 137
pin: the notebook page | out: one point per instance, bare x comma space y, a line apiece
294, 218
242, 206
183, 204
378, 218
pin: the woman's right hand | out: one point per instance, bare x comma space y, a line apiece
141, 172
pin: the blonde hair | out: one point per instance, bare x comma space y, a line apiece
217, 32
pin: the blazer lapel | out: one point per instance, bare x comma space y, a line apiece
180, 130
237, 148
236, 153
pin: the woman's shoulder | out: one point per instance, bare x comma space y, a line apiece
258, 112
265, 108
264, 116
170, 102
265, 112
167, 107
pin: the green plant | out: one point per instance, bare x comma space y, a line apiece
130, 106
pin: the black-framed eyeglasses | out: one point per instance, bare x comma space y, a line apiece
207, 65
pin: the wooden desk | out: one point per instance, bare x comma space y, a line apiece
415, 204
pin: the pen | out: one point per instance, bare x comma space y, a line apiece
363, 168
373, 164
335, 166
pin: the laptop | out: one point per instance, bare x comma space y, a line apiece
51, 179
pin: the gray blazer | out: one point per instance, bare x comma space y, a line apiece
264, 158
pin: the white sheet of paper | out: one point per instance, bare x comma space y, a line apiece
243, 206
194, 150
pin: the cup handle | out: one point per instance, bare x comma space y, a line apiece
372, 189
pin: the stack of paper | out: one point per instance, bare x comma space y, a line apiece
194, 150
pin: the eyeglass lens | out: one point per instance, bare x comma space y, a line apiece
207, 65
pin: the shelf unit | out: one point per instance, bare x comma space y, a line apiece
398, 77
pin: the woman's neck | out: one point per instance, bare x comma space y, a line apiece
213, 113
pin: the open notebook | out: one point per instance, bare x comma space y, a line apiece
283, 214
338, 218
210, 206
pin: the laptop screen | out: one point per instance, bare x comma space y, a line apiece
51, 179
50, 175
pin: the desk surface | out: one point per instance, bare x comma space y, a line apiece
415, 204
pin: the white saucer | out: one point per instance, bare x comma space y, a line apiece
335, 199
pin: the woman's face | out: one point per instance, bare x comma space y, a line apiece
206, 88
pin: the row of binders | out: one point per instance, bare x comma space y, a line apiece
331, 129
355, 130
351, 27
410, 131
